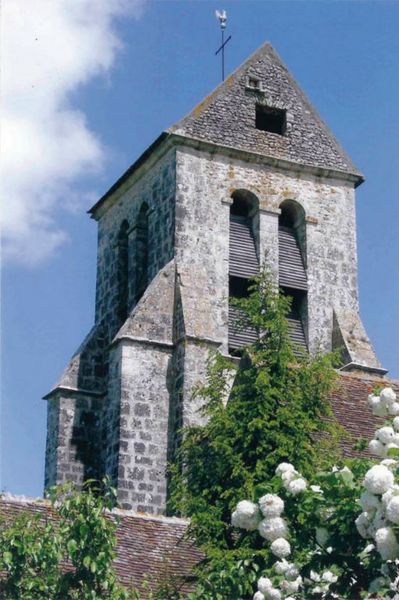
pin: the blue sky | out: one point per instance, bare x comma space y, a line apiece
131, 70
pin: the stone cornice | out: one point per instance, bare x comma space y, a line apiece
198, 340
168, 140
256, 158
134, 340
354, 366
72, 391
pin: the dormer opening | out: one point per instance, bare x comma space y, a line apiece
270, 119
254, 83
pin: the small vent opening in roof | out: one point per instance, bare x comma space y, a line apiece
253, 83
270, 119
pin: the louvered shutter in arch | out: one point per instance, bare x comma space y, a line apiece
244, 264
243, 258
292, 272
239, 336
296, 332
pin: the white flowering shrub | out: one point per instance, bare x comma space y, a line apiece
336, 536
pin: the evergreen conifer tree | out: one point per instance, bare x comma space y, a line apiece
277, 410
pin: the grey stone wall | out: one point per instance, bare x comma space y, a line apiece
136, 416
113, 415
144, 397
73, 438
51, 462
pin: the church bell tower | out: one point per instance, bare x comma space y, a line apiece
252, 174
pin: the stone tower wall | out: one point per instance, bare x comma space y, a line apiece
73, 438
330, 231
137, 411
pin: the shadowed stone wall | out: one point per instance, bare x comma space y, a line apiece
80, 406
156, 189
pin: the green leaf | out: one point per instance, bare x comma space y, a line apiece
72, 546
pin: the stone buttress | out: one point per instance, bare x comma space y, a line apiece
252, 174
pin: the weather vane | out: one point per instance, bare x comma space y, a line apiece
222, 16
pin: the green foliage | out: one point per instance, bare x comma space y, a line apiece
228, 575
90, 539
277, 410
29, 555
33, 548
360, 445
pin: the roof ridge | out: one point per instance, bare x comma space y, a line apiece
149, 517
23, 499
369, 376
9, 498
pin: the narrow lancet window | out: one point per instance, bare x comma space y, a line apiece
243, 261
123, 270
142, 251
292, 267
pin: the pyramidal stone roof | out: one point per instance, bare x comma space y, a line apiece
228, 116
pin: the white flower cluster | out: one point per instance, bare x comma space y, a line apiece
271, 527
380, 504
378, 521
380, 500
385, 438
385, 404
293, 482
319, 583
246, 516
345, 473
287, 582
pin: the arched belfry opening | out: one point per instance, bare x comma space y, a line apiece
141, 251
243, 260
123, 271
292, 267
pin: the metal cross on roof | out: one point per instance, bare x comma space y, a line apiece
222, 16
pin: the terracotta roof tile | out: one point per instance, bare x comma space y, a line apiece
150, 550
349, 404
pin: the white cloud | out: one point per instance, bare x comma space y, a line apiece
49, 48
